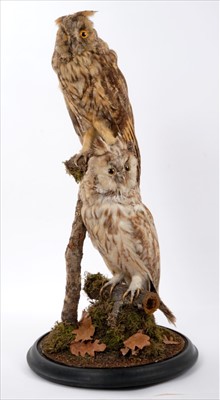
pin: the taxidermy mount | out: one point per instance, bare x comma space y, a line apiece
117, 342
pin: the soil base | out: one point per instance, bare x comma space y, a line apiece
113, 359
116, 344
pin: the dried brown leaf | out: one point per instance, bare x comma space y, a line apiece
82, 348
86, 329
139, 340
169, 341
96, 347
124, 350
78, 348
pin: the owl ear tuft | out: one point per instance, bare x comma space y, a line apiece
59, 20
99, 147
88, 13
122, 145
84, 13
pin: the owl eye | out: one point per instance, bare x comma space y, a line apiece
127, 168
84, 34
111, 171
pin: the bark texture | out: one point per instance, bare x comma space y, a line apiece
73, 256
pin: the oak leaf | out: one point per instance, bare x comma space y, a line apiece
139, 340
82, 348
86, 329
169, 341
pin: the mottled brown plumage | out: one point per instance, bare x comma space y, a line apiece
93, 86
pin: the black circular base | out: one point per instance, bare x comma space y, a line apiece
112, 378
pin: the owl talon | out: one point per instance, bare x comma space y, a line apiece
111, 289
134, 294
81, 158
126, 294
113, 282
103, 287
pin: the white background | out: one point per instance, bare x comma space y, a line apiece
168, 52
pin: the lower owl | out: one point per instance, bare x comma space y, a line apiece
118, 223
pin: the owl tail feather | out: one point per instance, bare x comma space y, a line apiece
151, 302
158, 304
171, 318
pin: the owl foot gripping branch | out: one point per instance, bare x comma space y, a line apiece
117, 332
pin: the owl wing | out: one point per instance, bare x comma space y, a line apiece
119, 110
80, 125
142, 246
79, 120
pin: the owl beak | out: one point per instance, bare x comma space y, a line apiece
120, 178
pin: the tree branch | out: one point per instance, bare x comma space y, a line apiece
73, 256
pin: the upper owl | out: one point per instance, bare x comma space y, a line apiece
93, 86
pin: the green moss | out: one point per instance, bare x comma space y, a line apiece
154, 351
76, 167
130, 318
114, 338
78, 176
129, 321
99, 312
59, 338
154, 331
93, 284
